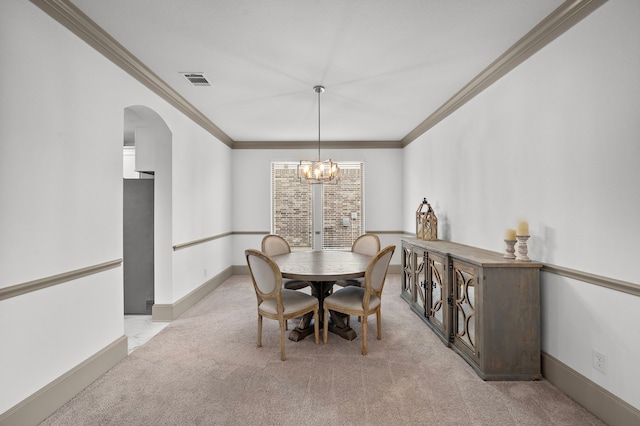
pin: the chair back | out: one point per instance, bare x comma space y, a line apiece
376, 272
368, 244
265, 274
273, 245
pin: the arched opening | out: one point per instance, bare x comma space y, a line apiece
146, 210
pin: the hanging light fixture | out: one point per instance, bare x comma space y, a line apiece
318, 171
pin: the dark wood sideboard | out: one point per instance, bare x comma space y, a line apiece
483, 306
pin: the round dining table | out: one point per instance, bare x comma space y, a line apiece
322, 269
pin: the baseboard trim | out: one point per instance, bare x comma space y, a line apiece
169, 312
47, 400
240, 270
599, 401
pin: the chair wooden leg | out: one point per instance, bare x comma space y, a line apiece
379, 324
316, 325
364, 336
282, 340
259, 331
326, 324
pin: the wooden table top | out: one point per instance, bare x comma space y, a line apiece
322, 265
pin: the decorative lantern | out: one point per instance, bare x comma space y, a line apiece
426, 222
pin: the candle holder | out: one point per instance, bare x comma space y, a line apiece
510, 249
521, 248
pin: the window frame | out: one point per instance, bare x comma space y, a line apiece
319, 235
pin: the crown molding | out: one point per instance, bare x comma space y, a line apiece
560, 20
81, 25
314, 145
67, 14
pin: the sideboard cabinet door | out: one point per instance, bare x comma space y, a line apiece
438, 296
407, 272
496, 319
419, 280
509, 328
466, 295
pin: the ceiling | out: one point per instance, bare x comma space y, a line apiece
386, 65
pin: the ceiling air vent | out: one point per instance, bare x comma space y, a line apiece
196, 78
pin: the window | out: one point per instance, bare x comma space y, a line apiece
291, 206
334, 211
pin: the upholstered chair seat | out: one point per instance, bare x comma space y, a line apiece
275, 302
273, 245
362, 301
292, 300
351, 299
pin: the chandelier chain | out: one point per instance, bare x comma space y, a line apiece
319, 90
312, 171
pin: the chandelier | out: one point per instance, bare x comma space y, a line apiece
318, 171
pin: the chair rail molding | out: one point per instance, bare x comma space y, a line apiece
200, 241
39, 284
610, 283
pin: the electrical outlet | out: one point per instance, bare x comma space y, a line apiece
599, 362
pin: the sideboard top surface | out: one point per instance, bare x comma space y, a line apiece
474, 255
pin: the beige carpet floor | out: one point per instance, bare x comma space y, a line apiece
205, 369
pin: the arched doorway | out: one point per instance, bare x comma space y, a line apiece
146, 210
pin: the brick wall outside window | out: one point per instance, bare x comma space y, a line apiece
292, 207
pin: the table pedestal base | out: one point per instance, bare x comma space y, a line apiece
301, 331
337, 324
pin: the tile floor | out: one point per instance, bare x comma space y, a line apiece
139, 329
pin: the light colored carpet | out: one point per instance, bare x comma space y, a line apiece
205, 369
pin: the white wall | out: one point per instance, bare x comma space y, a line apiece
61, 167
201, 208
252, 188
555, 142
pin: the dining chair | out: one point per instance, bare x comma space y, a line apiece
275, 302
368, 244
273, 245
362, 301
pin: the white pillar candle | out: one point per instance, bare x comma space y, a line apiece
523, 228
